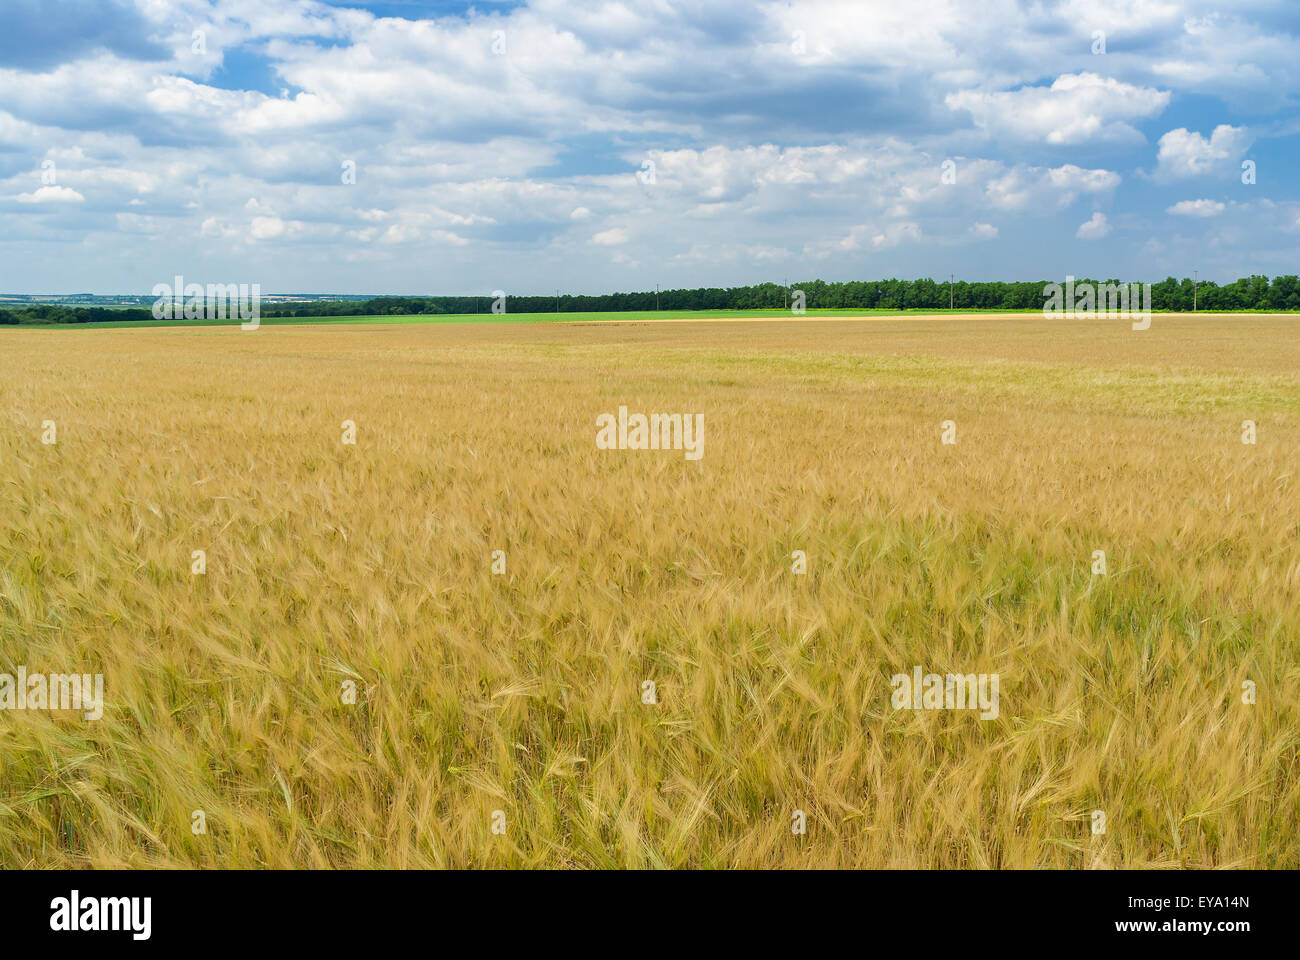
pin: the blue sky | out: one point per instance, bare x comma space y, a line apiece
596, 146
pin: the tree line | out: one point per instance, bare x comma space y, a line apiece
1249, 293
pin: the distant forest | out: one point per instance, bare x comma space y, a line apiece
1250, 294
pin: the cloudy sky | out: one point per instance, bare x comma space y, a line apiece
443, 147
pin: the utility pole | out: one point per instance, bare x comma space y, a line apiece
656, 298
1196, 277
557, 301
950, 277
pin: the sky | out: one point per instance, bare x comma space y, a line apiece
593, 146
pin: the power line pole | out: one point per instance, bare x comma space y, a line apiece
557, 301
656, 298
950, 277
1196, 277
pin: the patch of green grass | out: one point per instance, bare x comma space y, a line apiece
624, 316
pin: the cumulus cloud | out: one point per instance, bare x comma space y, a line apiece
1196, 208
1184, 153
1043, 189
1225, 54
1076, 108
1094, 228
266, 228
52, 194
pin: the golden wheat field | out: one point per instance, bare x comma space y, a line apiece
499, 718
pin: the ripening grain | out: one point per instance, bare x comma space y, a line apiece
329, 563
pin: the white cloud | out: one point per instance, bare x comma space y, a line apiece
1196, 208
1039, 189
215, 229
1076, 108
447, 237
1183, 153
896, 233
1096, 227
1123, 16
1224, 55
52, 194
266, 228
610, 238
